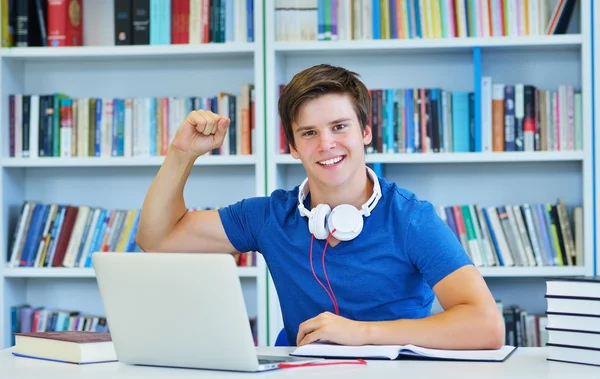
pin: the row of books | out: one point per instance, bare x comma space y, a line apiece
518, 235
151, 22
514, 117
522, 117
136, 22
42, 23
57, 125
522, 328
573, 309
27, 319
56, 235
326, 20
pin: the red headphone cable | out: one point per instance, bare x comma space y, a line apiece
331, 295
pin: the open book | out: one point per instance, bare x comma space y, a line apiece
330, 350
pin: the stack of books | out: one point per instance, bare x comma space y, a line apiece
574, 319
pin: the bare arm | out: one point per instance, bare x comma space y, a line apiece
165, 225
471, 320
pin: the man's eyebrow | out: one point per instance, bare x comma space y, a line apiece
334, 122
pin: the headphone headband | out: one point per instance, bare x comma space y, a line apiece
365, 209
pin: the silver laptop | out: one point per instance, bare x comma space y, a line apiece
178, 310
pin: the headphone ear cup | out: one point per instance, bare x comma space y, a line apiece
316, 223
347, 222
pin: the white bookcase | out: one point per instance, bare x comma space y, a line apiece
122, 71
444, 179
490, 179
595, 15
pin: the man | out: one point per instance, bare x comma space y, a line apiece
361, 261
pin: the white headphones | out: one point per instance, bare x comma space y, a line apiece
345, 218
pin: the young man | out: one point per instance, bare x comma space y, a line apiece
355, 258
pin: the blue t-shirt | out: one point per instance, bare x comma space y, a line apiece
386, 273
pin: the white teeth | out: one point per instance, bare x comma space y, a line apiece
332, 161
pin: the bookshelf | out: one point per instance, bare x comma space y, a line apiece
121, 182
488, 179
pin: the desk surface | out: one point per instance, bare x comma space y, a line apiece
528, 363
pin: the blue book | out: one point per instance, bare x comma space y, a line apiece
98, 141
165, 23
250, 22
451, 221
393, 20
460, 122
390, 123
155, 22
417, 19
115, 126
153, 126
409, 9
34, 235
410, 120
229, 22
493, 236
477, 82
376, 15
321, 20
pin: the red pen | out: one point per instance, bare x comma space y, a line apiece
310, 364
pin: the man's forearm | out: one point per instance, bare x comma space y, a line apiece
164, 205
461, 327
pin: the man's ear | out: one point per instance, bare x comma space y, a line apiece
367, 135
294, 152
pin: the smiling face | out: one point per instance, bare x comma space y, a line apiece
330, 143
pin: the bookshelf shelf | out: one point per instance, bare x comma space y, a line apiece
115, 52
208, 160
571, 41
501, 157
524, 272
243, 272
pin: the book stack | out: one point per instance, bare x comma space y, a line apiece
574, 319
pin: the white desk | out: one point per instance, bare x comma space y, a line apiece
528, 363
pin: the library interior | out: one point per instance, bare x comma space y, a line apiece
449, 144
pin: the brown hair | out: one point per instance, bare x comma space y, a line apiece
317, 81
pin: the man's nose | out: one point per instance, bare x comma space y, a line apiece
326, 140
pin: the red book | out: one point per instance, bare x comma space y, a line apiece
65, 236
65, 21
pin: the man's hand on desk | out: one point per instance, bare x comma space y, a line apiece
333, 328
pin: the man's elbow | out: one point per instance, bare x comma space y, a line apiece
494, 329
144, 242
141, 241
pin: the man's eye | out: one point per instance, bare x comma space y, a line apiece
309, 133
339, 127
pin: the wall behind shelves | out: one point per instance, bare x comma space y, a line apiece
543, 67
129, 77
392, 69
206, 186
